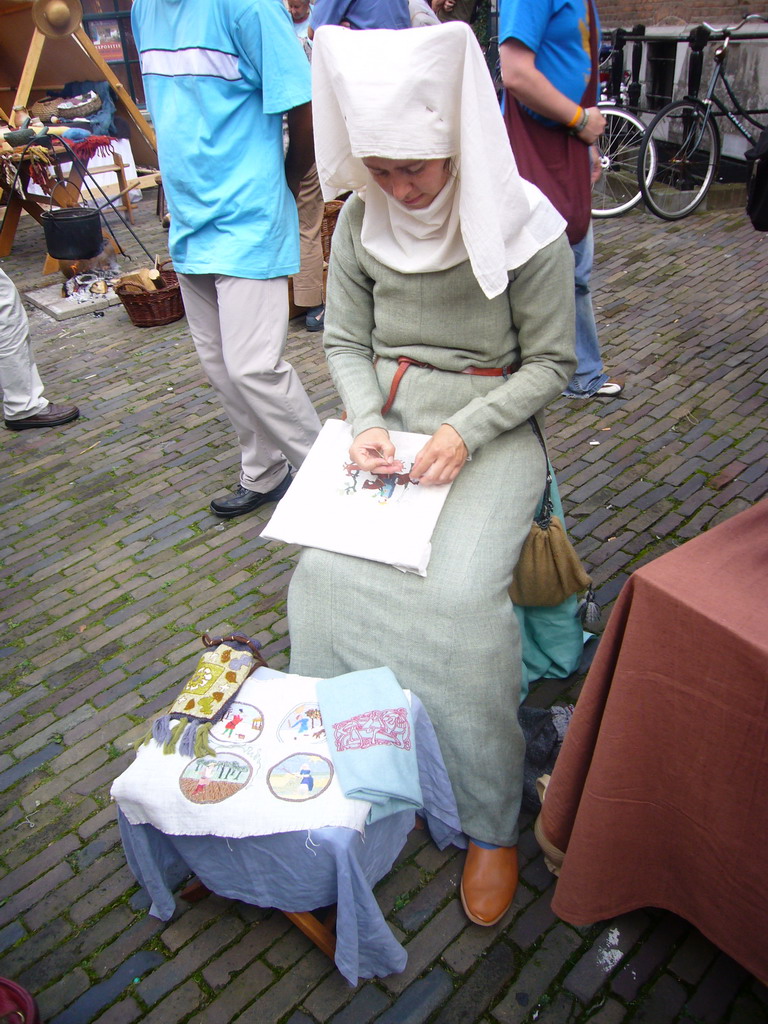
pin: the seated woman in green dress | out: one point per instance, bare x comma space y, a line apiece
450, 307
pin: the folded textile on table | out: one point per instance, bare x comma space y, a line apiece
205, 698
270, 768
368, 719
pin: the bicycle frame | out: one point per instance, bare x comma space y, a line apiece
711, 100
686, 134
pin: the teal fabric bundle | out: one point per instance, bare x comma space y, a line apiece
369, 728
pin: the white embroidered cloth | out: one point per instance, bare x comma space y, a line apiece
272, 771
334, 505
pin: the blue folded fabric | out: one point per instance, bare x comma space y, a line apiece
370, 733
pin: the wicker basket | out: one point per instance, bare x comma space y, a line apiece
153, 309
46, 109
330, 216
79, 106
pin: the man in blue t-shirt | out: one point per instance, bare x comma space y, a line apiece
218, 77
547, 65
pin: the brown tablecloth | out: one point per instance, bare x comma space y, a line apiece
660, 793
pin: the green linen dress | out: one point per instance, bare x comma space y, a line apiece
452, 636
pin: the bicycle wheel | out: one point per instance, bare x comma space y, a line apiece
617, 191
687, 146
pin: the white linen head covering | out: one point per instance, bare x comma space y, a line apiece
415, 95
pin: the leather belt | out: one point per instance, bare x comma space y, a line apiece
403, 362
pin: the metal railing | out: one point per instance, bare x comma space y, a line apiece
622, 82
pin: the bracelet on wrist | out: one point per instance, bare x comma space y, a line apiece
581, 124
577, 117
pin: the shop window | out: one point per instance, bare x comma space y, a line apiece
108, 23
660, 73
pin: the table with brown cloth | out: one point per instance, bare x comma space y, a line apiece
660, 793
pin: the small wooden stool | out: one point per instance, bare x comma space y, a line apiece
319, 930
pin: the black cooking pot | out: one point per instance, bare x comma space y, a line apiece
72, 233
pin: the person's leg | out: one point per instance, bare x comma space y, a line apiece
19, 380
262, 462
488, 882
589, 375
308, 283
254, 326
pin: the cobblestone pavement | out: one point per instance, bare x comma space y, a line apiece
113, 567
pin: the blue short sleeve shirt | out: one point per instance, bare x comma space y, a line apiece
218, 76
558, 33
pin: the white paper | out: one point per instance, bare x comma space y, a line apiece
334, 505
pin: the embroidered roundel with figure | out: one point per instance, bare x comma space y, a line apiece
300, 777
209, 780
242, 723
303, 722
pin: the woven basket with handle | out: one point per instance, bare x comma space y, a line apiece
79, 106
46, 109
164, 305
330, 216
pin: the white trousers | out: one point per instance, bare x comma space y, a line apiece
19, 380
239, 327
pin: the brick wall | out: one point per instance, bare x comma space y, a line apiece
628, 13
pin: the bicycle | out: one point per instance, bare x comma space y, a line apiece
617, 190
686, 138
493, 62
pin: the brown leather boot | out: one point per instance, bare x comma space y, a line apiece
489, 883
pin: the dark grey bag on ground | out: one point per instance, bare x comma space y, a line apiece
544, 730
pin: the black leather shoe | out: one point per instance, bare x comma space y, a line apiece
53, 416
243, 500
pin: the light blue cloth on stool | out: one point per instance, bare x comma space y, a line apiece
368, 723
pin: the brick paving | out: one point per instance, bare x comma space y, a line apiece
113, 567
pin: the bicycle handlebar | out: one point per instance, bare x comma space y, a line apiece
728, 29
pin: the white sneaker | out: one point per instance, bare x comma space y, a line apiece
610, 389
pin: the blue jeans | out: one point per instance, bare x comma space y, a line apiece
589, 374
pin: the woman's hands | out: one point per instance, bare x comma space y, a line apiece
373, 451
438, 462
441, 458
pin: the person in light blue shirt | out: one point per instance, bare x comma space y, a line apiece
218, 77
